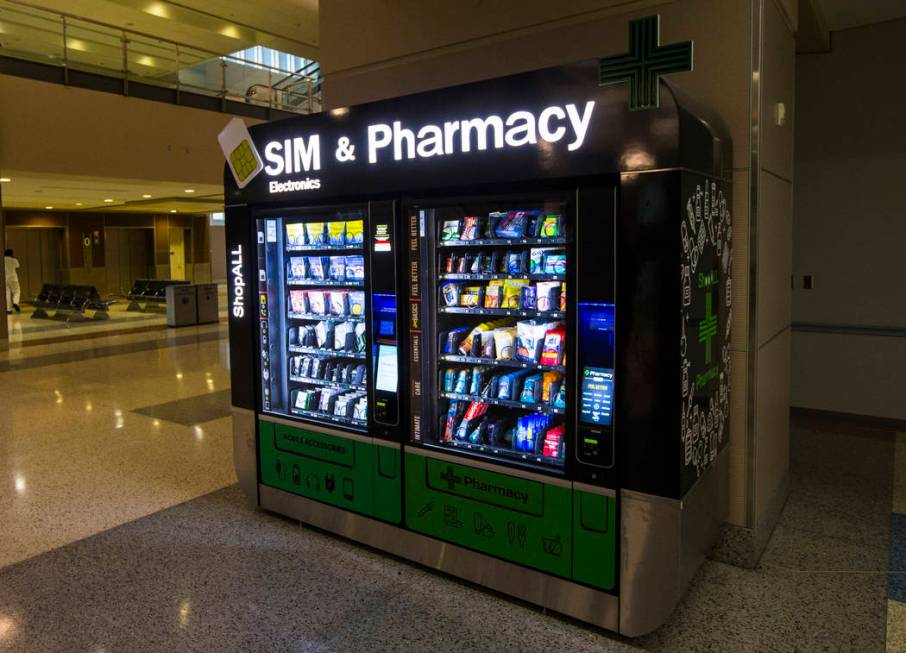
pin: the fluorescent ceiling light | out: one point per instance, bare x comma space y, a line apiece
190, 190
4, 179
108, 201
146, 196
48, 208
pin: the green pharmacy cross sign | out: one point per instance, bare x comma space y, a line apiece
645, 63
707, 328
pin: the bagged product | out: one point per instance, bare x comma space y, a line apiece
554, 346
336, 234
360, 411
453, 338
551, 226
512, 292
356, 302
488, 347
295, 234
450, 294
296, 270
493, 294
343, 336
553, 438
548, 295
357, 376
318, 267
355, 233
450, 230
337, 269
505, 343
360, 337
555, 263
315, 233
316, 302
514, 224
529, 339
324, 332
339, 302
450, 379
563, 297
560, 397
462, 382
355, 268
494, 220
528, 301
549, 386
297, 301
516, 262
531, 389
454, 413
470, 227
470, 296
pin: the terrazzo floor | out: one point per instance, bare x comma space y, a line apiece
122, 530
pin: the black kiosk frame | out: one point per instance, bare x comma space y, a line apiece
599, 504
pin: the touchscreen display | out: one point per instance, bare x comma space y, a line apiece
386, 369
596, 403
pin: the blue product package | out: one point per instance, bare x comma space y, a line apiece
462, 382
475, 385
454, 336
355, 268
560, 397
449, 379
555, 263
337, 269
531, 389
505, 386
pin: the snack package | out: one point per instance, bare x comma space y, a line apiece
343, 336
316, 302
336, 234
549, 386
548, 295
360, 337
295, 234
555, 263
516, 262
471, 344
552, 441
563, 297
551, 226
530, 338
296, 270
453, 338
318, 267
470, 296
554, 346
355, 268
450, 294
356, 302
512, 292
315, 233
450, 230
339, 302
454, 413
324, 332
531, 389
337, 269
470, 227
355, 233
528, 300
493, 294
297, 301
505, 343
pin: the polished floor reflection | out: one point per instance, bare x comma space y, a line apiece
121, 529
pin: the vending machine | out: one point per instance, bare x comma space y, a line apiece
486, 328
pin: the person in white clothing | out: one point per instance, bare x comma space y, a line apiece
11, 265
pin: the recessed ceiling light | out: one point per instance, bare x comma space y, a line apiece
4, 179
146, 196
108, 201
172, 210
190, 190
48, 207
78, 204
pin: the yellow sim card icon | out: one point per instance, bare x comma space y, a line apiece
240, 152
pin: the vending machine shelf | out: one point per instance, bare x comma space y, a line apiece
511, 362
328, 384
324, 248
539, 407
489, 276
317, 317
339, 419
502, 242
325, 283
317, 351
505, 312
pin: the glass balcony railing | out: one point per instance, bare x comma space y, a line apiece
78, 44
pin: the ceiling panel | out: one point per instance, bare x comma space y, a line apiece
845, 14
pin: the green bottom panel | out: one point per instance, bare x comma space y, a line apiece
521, 520
594, 539
343, 472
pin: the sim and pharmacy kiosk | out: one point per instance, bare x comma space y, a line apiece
486, 328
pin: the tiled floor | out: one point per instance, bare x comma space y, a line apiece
121, 530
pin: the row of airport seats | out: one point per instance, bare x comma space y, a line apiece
150, 294
70, 303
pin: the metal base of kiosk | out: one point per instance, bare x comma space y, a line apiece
662, 543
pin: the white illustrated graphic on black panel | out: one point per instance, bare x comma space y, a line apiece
707, 227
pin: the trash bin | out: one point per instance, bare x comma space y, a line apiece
208, 303
181, 306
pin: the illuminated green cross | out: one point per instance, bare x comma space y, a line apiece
645, 63
707, 328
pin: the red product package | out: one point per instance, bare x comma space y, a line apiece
554, 345
552, 440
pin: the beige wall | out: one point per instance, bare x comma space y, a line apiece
850, 231
406, 47
51, 128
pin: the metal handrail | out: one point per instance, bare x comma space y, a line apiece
68, 22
